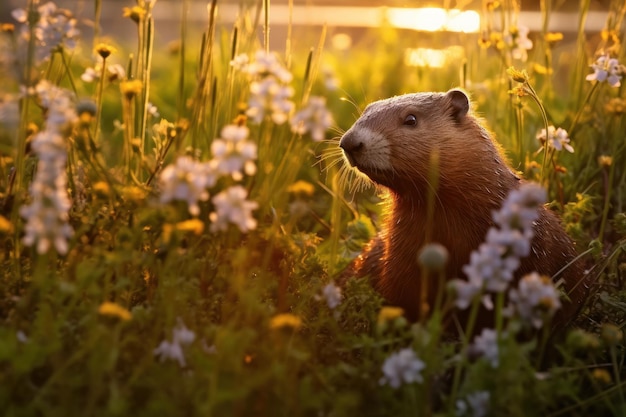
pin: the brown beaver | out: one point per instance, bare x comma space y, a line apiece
392, 143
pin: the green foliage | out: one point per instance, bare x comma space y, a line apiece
244, 312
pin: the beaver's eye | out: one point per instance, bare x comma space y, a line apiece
410, 120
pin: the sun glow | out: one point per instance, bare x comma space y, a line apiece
433, 19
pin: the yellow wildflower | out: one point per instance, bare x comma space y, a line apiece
492, 5
131, 88
301, 187
605, 160
484, 41
134, 193
518, 91
102, 189
109, 308
5, 225
104, 50
135, 13
389, 313
193, 225
285, 320
540, 69
517, 75
602, 376
553, 37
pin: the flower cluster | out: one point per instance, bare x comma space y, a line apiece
486, 345
332, 294
475, 404
314, 118
115, 72
402, 367
535, 300
181, 336
270, 92
233, 153
55, 28
557, 139
607, 69
231, 206
521, 43
187, 180
47, 216
493, 264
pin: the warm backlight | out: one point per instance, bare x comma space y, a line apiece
433, 19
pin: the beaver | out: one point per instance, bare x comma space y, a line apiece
393, 143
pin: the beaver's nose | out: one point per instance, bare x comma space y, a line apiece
350, 143
352, 146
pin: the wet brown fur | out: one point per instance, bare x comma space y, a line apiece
473, 179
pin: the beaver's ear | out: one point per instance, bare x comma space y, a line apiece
459, 102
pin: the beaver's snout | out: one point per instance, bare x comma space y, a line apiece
352, 146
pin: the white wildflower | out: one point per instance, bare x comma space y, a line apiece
535, 299
47, 215
270, 92
558, 139
486, 345
231, 206
115, 72
332, 295
314, 118
240, 62
403, 367
466, 291
330, 80
187, 180
607, 69
493, 264
181, 336
522, 44
56, 28
475, 404
233, 154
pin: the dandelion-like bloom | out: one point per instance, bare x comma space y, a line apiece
231, 206
181, 336
332, 295
402, 367
314, 118
270, 92
56, 28
109, 308
47, 216
522, 44
187, 180
557, 139
606, 69
493, 264
475, 404
486, 345
285, 321
535, 299
233, 154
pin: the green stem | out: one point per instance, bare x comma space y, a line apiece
469, 330
607, 201
96, 132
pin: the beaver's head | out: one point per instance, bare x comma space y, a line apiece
394, 139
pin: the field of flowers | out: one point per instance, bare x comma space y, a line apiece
175, 221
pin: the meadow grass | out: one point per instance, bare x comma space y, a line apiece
175, 222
